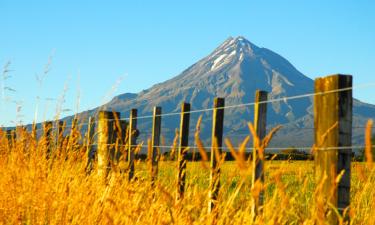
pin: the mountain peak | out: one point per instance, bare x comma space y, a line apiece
237, 41
231, 50
241, 39
238, 44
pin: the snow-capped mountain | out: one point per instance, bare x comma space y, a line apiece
235, 70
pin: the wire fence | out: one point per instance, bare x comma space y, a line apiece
284, 99
249, 149
231, 133
325, 161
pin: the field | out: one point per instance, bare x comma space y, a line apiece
36, 189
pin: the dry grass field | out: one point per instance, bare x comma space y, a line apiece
36, 189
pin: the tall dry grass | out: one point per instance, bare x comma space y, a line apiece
56, 189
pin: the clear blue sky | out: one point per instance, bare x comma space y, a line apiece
94, 43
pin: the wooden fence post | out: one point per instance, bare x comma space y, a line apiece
121, 151
217, 141
333, 139
73, 137
11, 136
60, 134
89, 136
60, 129
184, 143
132, 142
260, 124
3, 139
105, 140
33, 132
155, 143
47, 131
20, 133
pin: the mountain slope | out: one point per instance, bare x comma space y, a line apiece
235, 70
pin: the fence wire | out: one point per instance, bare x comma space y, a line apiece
238, 133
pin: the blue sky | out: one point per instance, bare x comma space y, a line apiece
92, 45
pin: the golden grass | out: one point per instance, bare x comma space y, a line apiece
35, 189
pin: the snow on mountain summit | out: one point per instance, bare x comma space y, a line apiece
232, 49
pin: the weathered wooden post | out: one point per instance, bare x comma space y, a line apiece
333, 138
132, 142
20, 133
60, 129
11, 135
120, 152
155, 143
73, 137
33, 132
47, 131
89, 135
60, 134
3, 140
217, 141
105, 140
260, 123
183, 145
34, 138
